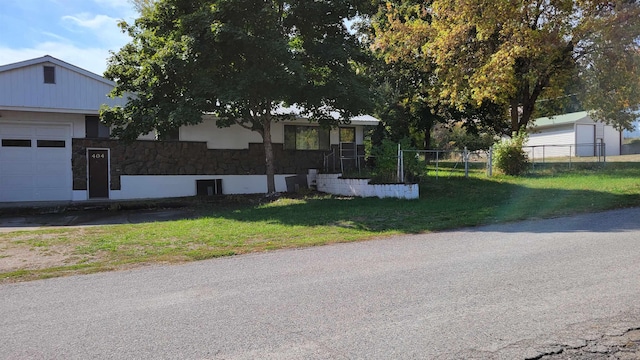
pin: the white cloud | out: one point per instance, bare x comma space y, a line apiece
84, 34
85, 20
122, 4
104, 29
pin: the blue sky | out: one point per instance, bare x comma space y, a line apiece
80, 32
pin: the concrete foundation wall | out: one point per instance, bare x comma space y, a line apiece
333, 184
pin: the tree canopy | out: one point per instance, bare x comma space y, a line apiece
514, 53
241, 60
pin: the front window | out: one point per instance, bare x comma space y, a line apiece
301, 137
94, 129
347, 135
171, 134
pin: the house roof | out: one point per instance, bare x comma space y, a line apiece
58, 62
356, 120
563, 119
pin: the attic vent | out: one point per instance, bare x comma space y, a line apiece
49, 74
209, 187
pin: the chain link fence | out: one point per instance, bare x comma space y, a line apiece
414, 164
439, 163
566, 156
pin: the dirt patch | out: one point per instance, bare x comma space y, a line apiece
33, 258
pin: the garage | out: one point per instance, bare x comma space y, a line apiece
35, 162
573, 134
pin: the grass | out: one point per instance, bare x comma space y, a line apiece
451, 201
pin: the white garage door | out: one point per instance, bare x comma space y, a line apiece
585, 140
35, 162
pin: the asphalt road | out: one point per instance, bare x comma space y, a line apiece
510, 291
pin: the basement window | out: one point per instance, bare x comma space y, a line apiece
49, 74
16, 143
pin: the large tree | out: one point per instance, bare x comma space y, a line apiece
245, 61
406, 80
514, 53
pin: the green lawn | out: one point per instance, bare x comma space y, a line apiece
451, 201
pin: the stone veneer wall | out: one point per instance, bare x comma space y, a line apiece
146, 157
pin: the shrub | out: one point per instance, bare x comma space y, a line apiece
386, 162
508, 156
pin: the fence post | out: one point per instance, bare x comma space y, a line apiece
466, 162
490, 162
437, 162
400, 171
571, 154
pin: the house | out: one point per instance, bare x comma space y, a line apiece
574, 134
53, 147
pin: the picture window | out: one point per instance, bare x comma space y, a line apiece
300, 137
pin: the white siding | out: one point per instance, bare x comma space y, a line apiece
585, 139
237, 137
76, 121
550, 138
612, 140
233, 137
25, 88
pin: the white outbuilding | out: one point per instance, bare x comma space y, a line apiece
573, 134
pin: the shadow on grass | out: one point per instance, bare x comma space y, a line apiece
444, 204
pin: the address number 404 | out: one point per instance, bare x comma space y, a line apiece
97, 156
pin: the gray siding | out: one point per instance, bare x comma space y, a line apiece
24, 87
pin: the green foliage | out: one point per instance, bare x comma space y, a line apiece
512, 53
385, 157
405, 101
509, 157
243, 61
457, 137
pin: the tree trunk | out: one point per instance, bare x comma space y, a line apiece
268, 155
515, 124
427, 138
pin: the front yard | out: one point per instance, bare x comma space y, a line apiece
242, 226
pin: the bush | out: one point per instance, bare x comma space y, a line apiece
386, 162
508, 156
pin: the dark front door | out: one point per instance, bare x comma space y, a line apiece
98, 174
